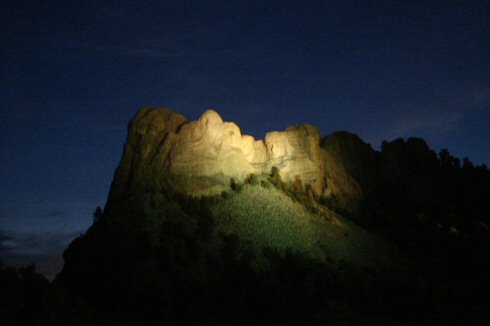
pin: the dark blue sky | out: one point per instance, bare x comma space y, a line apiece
73, 74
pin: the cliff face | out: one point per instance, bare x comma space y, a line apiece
165, 151
157, 246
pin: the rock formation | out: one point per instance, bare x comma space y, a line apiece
165, 151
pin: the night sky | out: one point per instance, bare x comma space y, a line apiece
73, 74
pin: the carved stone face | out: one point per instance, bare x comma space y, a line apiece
200, 157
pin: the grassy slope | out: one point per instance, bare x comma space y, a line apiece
268, 217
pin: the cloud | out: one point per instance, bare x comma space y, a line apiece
39, 243
39, 213
4, 239
145, 52
429, 123
479, 96
426, 122
57, 214
47, 265
434, 120
180, 46
44, 249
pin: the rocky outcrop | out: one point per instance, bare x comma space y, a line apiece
164, 151
357, 157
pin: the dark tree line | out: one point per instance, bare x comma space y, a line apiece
433, 206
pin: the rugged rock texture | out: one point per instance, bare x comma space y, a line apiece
247, 256
357, 160
165, 151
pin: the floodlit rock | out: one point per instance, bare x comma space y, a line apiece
165, 151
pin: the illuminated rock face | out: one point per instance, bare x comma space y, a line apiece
165, 151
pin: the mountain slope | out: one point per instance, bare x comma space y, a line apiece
267, 217
204, 225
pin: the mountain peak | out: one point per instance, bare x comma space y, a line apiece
211, 117
165, 151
